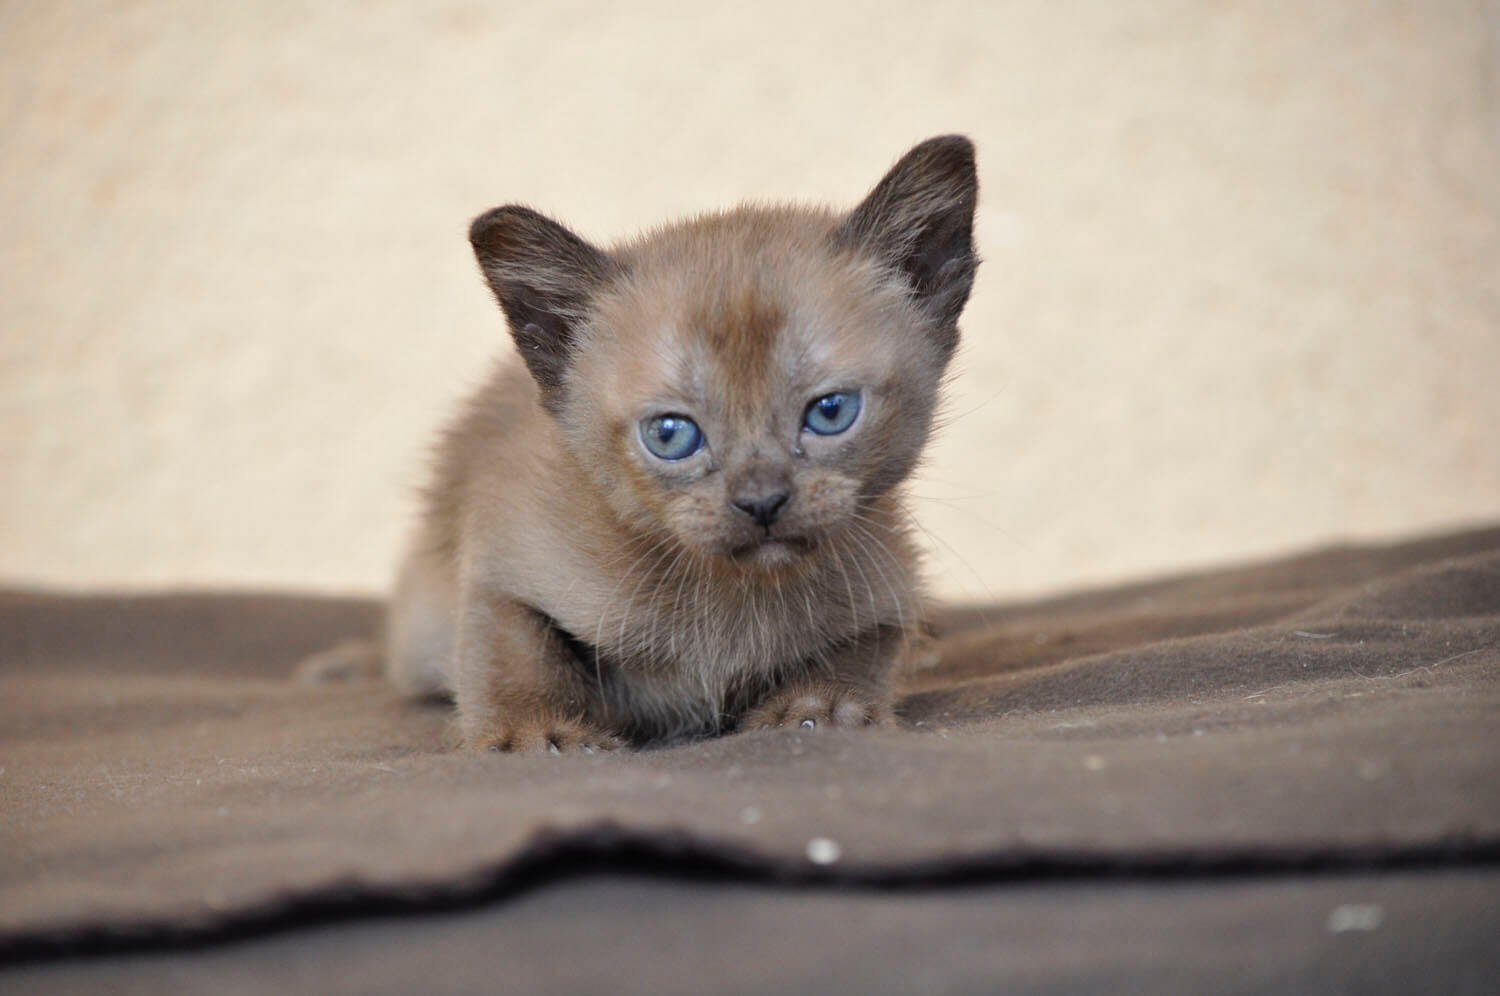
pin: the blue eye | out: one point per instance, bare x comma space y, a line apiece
832, 413
671, 437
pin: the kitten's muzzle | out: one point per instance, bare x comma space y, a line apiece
772, 551
762, 509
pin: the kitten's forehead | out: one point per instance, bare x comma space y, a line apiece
740, 325
735, 306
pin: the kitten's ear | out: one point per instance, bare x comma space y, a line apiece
544, 277
920, 220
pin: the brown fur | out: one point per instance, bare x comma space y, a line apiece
571, 590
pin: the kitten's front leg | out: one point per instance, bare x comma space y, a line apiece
851, 687
517, 688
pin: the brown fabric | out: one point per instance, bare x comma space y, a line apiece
163, 775
1403, 934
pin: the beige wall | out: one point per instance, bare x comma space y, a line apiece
1241, 289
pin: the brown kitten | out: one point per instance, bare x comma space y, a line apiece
681, 515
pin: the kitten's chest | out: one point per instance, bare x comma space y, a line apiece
669, 622
672, 624
677, 652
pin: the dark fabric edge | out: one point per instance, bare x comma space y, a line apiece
608, 849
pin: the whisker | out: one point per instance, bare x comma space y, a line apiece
896, 599
635, 647
838, 561
989, 593
656, 613
944, 418
682, 581
608, 605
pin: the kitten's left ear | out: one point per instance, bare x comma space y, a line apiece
920, 220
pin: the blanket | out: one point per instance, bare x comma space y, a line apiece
1323, 725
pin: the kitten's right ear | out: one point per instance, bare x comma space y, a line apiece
920, 220
544, 277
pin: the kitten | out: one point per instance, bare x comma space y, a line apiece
681, 515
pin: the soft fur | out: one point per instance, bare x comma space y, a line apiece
573, 591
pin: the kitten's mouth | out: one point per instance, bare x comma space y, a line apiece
771, 551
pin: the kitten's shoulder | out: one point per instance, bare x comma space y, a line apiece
493, 428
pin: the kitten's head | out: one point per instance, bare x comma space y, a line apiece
747, 382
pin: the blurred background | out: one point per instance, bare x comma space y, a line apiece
1241, 290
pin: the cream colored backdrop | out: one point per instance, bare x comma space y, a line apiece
1241, 289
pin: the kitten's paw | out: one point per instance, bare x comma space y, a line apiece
814, 707
545, 736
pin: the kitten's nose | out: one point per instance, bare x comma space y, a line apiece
764, 509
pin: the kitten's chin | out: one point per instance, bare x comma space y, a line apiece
771, 553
